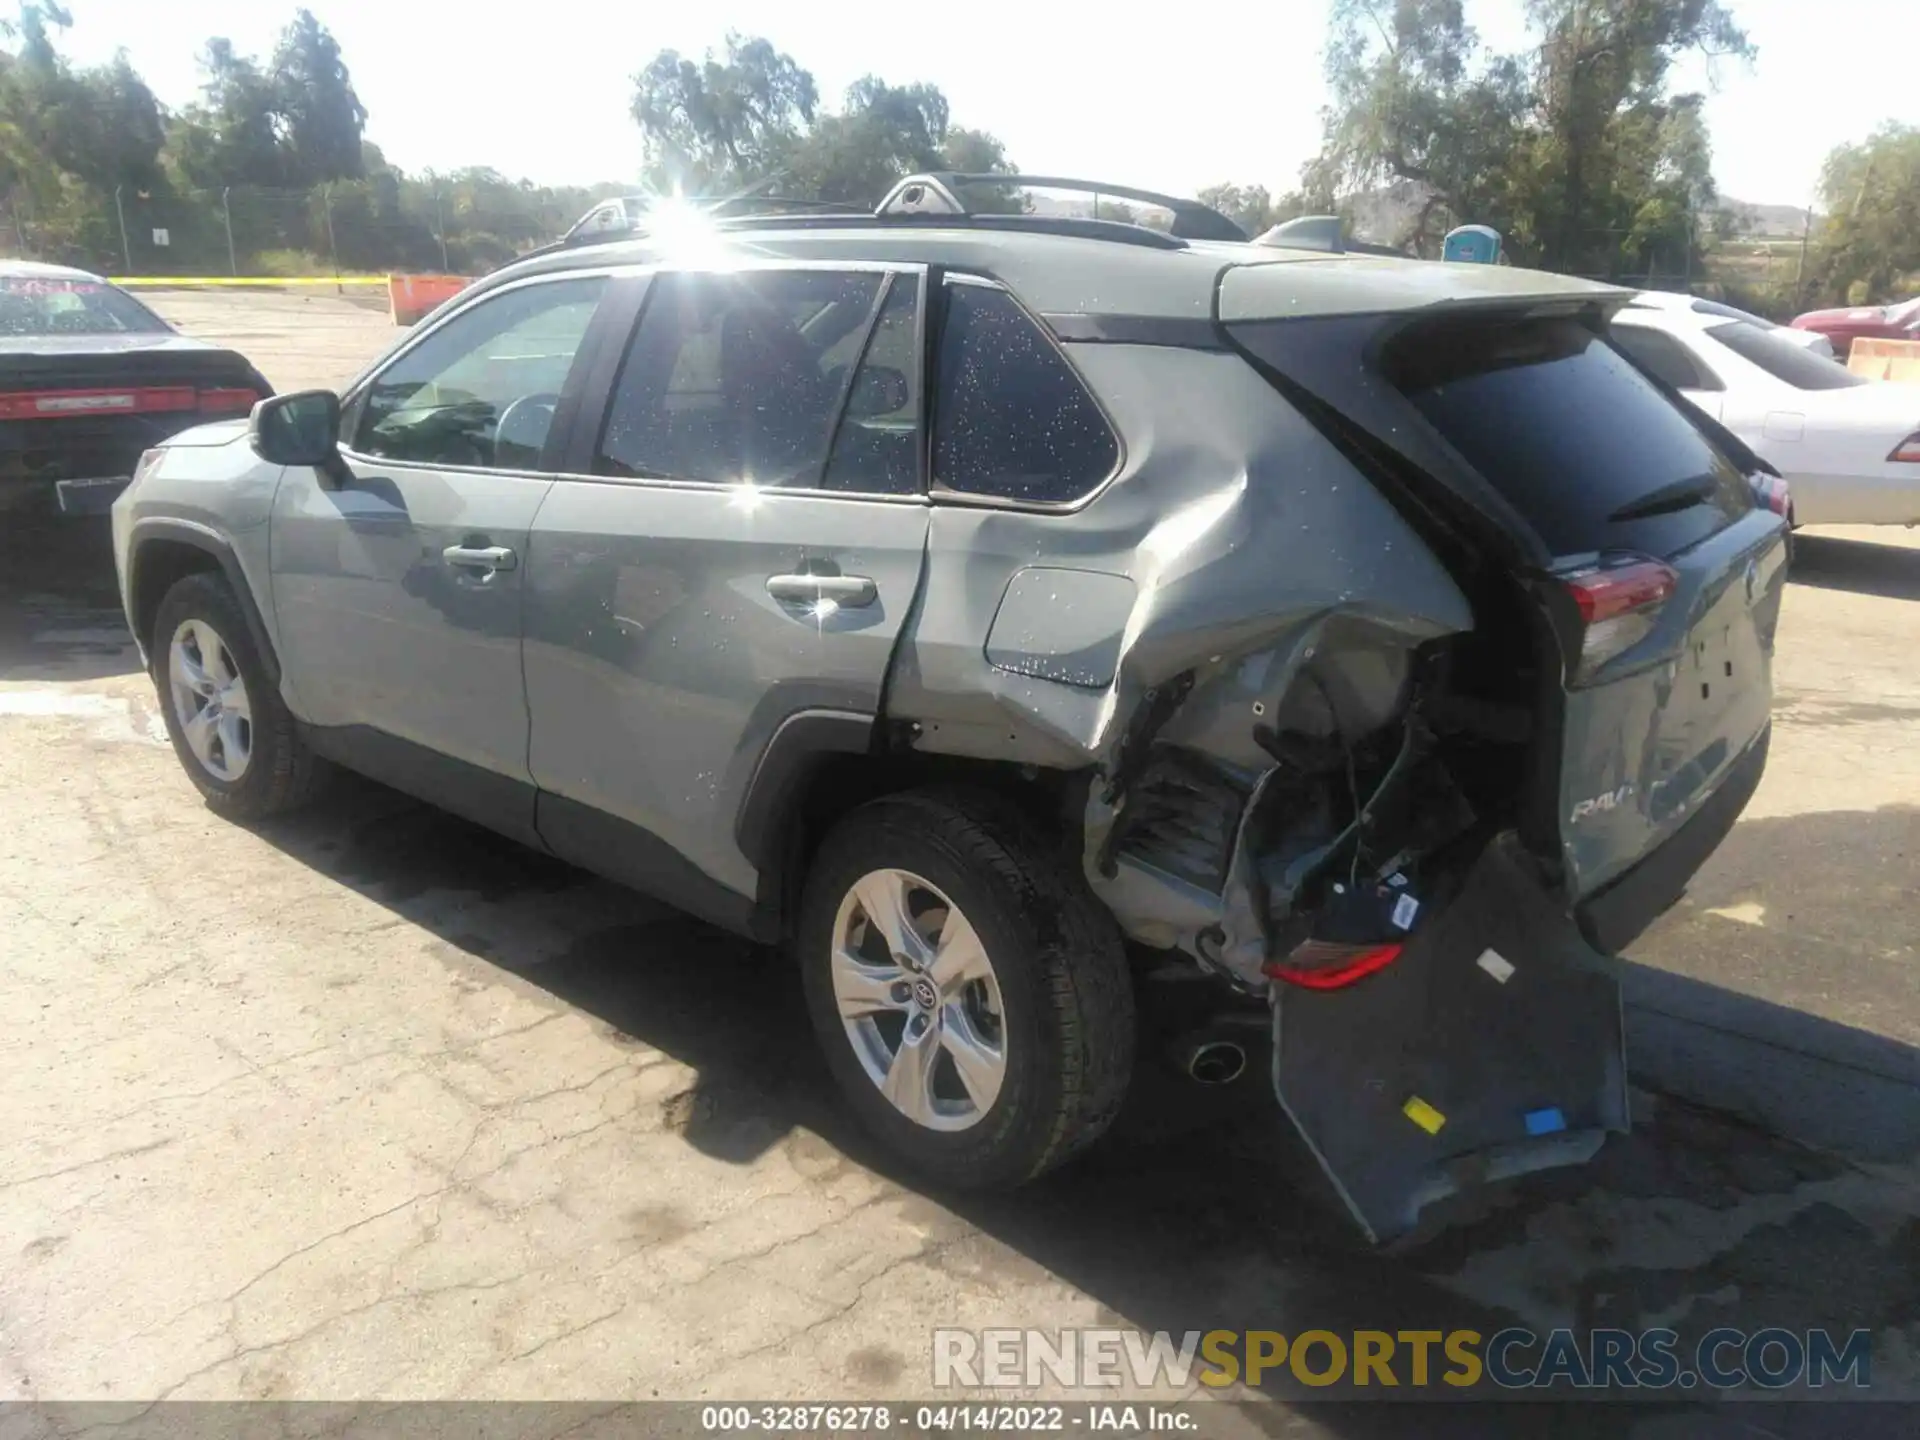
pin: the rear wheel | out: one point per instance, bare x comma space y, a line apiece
971, 995
235, 738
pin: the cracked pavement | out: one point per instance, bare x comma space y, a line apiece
371, 1104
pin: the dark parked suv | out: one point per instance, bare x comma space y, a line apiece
978, 604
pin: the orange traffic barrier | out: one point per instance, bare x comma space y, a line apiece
414, 297
1885, 359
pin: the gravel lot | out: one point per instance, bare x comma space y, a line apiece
371, 1104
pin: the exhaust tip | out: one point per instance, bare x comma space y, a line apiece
1216, 1062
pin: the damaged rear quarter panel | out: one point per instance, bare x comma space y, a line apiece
1238, 542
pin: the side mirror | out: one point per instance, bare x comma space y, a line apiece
878, 391
301, 428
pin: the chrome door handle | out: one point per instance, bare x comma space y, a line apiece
490, 558
850, 591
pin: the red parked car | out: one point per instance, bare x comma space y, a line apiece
1876, 322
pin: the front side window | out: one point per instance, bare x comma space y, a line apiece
1784, 360
1011, 419
736, 378
480, 391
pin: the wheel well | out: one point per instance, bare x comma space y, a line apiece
840, 783
159, 565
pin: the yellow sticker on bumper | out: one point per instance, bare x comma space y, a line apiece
1423, 1115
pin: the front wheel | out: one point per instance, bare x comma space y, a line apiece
971, 995
235, 737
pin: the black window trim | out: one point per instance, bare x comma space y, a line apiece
940, 494
596, 401
352, 404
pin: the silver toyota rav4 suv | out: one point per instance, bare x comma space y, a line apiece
990, 608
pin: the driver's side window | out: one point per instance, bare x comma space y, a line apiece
480, 391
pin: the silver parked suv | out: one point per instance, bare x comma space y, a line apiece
981, 604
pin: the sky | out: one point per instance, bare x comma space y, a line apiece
1162, 96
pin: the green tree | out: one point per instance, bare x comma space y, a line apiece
1870, 243
751, 117
319, 119
723, 122
1575, 149
233, 136
885, 131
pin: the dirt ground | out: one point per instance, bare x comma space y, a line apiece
371, 1104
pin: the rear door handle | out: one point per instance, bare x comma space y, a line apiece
488, 558
850, 591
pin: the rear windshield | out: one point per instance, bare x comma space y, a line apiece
56, 305
1575, 438
1784, 360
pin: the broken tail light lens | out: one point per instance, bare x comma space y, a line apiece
1908, 450
1320, 966
227, 401
1618, 601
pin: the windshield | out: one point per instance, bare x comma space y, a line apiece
59, 305
1794, 364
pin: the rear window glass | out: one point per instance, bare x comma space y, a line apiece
1572, 435
1784, 360
57, 305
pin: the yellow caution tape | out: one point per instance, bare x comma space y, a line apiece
266, 281
1423, 1115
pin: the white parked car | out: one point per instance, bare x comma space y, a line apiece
1848, 447
1692, 305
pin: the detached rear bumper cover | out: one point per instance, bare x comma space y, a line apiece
1494, 1046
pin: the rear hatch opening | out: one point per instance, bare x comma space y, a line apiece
1424, 854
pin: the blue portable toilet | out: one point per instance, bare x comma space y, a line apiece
1475, 244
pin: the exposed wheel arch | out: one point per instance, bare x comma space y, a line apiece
820, 786
161, 553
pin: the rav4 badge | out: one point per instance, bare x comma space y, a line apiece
1605, 801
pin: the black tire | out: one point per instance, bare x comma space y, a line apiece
1058, 958
281, 772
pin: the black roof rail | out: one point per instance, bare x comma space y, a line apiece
932, 199
938, 193
627, 214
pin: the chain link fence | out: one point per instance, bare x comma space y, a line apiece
353, 227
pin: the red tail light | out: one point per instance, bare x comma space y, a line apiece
1908, 449
227, 402
1618, 603
1356, 964
1772, 492
79, 404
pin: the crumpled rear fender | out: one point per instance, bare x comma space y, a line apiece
1233, 531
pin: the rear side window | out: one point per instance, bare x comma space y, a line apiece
737, 377
1011, 419
1665, 357
1783, 359
877, 448
1572, 435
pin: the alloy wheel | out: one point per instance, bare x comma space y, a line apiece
210, 700
919, 1000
